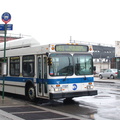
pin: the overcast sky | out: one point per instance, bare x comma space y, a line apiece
51, 21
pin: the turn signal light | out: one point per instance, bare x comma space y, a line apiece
58, 85
90, 83
53, 48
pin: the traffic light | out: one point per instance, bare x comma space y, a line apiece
49, 61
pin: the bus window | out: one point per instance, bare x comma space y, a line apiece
83, 64
45, 67
40, 68
15, 66
1, 64
62, 65
28, 66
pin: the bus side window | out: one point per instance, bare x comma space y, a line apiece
25, 69
28, 66
1, 66
15, 66
45, 67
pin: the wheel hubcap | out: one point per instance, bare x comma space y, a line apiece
31, 93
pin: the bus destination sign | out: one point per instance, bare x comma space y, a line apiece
71, 48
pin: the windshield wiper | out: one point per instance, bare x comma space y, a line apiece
65, 77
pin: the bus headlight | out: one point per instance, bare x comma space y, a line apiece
90, 87
57, 89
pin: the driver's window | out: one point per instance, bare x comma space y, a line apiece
62, 65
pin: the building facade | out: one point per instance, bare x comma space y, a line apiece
102, 55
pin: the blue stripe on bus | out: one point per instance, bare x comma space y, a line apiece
51, 81
70, 80
67, 80
16, 79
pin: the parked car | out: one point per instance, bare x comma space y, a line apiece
108, 73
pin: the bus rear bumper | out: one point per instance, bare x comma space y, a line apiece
72, 94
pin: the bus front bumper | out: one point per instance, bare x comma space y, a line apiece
72, 94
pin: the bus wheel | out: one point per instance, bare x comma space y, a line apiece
31, 93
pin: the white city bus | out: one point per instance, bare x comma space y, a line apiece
51, 71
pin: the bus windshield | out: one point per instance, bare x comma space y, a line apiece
62, 65
67, 65
83, 64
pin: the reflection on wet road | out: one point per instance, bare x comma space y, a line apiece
104, 106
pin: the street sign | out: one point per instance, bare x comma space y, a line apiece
6, 17
9, 27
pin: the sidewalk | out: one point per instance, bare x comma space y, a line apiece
5, 103
97, 79
14, 109
8, 116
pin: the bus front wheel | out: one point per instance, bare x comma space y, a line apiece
31, 93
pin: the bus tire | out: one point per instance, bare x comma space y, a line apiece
30, 93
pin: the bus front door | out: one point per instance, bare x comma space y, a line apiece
42, 76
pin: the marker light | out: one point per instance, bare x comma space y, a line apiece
53, 47
58, 85
90, 83
90, 48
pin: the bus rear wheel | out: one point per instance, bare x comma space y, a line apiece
31, 96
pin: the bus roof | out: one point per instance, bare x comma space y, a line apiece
20, 43
29, 46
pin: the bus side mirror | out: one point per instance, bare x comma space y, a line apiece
94, 68
49, 61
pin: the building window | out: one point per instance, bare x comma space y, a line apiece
15, 66
28, 66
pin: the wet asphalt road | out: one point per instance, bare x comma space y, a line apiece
104, 106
